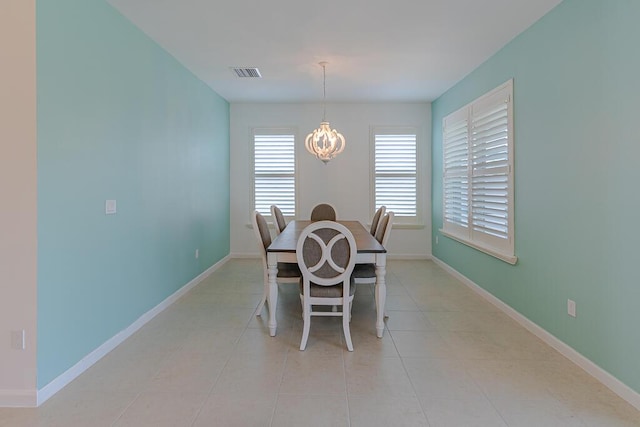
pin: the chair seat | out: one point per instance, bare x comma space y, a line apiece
288, 269
335, 291
364, 271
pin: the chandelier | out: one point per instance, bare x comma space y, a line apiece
324, 143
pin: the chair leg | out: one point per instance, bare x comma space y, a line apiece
347, 331
306, 316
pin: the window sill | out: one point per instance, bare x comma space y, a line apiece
397, 226
509, 259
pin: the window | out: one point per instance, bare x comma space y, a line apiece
478, 174
395, 173
274, 170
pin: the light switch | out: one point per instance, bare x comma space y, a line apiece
571, 308
110, 207
18, 341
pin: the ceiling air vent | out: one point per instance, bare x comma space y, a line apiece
247, 72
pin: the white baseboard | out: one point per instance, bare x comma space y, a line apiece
90, 359
614, 384
408, 257
256, 255
18, 398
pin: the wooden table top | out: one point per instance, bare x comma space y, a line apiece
287, 240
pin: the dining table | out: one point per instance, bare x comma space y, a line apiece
369, 251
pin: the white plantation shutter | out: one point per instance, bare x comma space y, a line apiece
490, 170
395, 181
274, 171
456, 173
478, 173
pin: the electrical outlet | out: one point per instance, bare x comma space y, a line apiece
197, 253
571, 308
110, 207
436, 240
18, 340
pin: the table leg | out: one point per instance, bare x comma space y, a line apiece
381, 292
272, 297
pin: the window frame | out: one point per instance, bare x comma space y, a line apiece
399, 222
482, 241
279, 130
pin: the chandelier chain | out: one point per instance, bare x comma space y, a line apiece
324, 93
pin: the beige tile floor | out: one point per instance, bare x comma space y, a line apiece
447, 358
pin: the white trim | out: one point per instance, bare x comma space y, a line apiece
406, 226
18, 398
510, 259
90, 359
408, 256
614, 384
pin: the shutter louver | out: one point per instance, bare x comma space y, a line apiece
395, 173
274, 173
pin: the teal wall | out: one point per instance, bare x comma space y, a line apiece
577, 149
119, 118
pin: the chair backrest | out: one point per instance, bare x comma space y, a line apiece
326, 253
261, 230
376, 219
278, 218
323, 212
384, 230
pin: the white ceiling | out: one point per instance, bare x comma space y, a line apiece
377, 50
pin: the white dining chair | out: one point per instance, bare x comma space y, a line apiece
366, 273
287, 272
324, 212
326, 253
278, 219
376, 219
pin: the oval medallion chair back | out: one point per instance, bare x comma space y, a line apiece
326, 253
287, 272
278, 219
376, 219
323, 212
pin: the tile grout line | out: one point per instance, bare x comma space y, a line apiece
215, 382
119, 417
275, 405
404, 367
